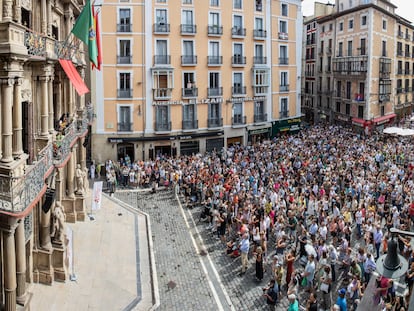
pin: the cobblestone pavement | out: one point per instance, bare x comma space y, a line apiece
178, 238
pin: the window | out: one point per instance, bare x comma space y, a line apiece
214, 88
125, 90
283, 26
330, 27
284, 108
162, 83
214, 115
237, 21
384, 48
341, 26
259, 6
189, 115
124, 119
340, 49
214, 48
238, 113
188, 48
351, 24
261, 77
124, 20
283, 55
237, 4
363, 20
214, 3
259, 111
161, 56
284, 9
187, 1
124, 52
238, 83
161, 16
258, 23
363, 46
187, 17
161, 1
338, 106
323, 28
163, 118
384, 24
349, 48
348, 89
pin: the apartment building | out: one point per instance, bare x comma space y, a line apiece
361, 75
184, 76
44, 124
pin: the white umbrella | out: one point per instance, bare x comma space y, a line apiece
412, 118
391, 130
406, 132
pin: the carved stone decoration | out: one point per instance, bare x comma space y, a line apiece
17, 14
27, 4
27, 95
7, 9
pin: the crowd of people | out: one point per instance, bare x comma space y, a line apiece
323, 199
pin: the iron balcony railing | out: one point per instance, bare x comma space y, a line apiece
188, 29
125, 127
124, 93
63, 143
214, 60
124, 28
238, 90
238, 32
189, 92
284, 88
162, 59
215, 30
189, 60
283, 61
283, 114
238, 60
162, 93
189, 124
161, 28
163, 126
18, 192
214, 91
238, 119
262, 117
259, 34
260, 90
214, 122
259, 60
124, 59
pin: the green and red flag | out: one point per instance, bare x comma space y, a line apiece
98, 38
85, 30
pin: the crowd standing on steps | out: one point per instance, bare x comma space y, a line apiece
324, 198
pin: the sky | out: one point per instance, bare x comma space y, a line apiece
405, 7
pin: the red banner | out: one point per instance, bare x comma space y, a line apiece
74, 76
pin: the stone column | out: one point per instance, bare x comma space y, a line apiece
50, 97
17, 118
21, 263
58, 111
49, 17
7, 127
71, 176
43, 15
45, 241
9, 270
44, 108
17, 12
7, 10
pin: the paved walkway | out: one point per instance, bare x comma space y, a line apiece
107, 252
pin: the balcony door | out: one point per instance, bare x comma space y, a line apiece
161, 16
188, 48
124, 119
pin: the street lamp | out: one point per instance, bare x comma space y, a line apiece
392, 265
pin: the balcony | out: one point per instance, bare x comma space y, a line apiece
238, 32
260, 90
284, 88
238, 60
384, 98
124, 93
17, 193
400, 53
214, 91
238, 119
124, 59
188, 29
215, 30
259, 34
260, 117
188, 60
162, 93
283, 36
124, 28
260, 60
35, 43
162, 59
214, 60
189, 92
407, 54
283, 61
125, 127
238, 90
161, 28
190, 124
62, 144
163, 126
399, 71
214, 122
283, 114
400, 34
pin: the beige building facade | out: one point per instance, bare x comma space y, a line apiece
358, 66
185, 76
43, 131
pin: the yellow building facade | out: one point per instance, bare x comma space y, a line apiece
185, 76
358, 66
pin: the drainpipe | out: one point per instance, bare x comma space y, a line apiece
144, 82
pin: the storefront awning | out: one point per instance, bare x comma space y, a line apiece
357, 121
384, 119
74, 76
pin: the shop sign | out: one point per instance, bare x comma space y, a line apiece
182, 102
259, 131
